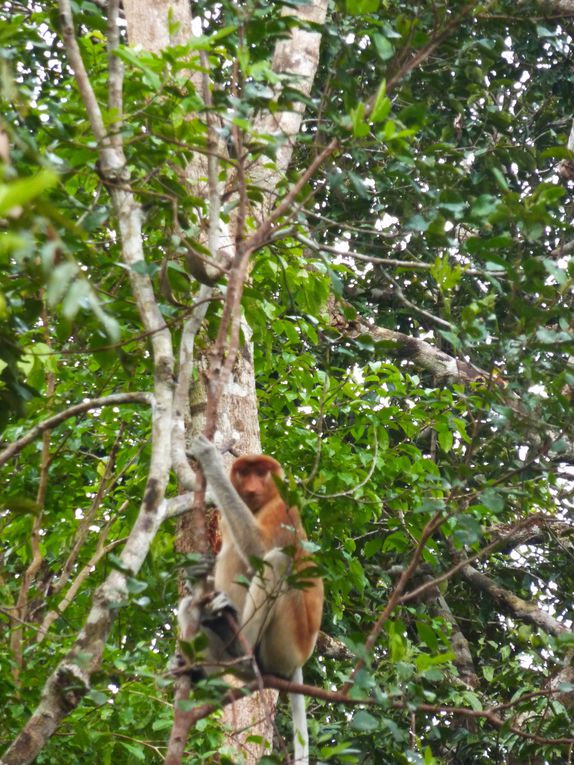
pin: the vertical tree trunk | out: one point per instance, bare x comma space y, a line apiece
147, 22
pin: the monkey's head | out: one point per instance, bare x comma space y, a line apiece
252, 477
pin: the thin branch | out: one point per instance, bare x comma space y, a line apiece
463, 659
420, 352
182, 721
181, 413
260, 237
429, 529
83, 528
411, 265
179, 505
22, 604
350, 492
423, 53
74, 588
490, 715
339, 697
80, 73
174, 321
213, 146
115, 72
495, 544
136, 397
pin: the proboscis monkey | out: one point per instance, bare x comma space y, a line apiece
261, 570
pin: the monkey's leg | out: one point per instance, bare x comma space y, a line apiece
269, 618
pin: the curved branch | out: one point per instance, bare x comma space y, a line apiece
522, 609
421, 353
136, 397
337, 697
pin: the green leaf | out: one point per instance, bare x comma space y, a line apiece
445, 439
424, 661
97, 697
359, 185
472, 700
59, 282
499, 176
383, 46
361, 7
488, 673
75, 297
382, 105
136, 750
492, 499
19, 193
364, 722
360, 126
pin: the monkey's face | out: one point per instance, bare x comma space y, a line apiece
255, 486
252, 477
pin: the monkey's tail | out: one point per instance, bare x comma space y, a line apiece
300, 734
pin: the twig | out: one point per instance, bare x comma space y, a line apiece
22, 603
80, 73
431, 526
366, 479
461, 564
83, 529
411, 265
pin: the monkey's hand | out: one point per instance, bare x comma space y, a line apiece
200, 568
202, 449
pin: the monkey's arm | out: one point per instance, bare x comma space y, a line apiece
244, 529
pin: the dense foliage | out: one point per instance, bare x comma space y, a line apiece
450, 182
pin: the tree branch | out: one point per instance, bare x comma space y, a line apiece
137, 397
522, 609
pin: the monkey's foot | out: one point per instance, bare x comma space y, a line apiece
218, 607
220, 616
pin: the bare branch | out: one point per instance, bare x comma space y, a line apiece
411, 265
429, 529
515, 532
83, 529
179, 505
421, 353
463, 660
338, 697
181, 413
182, 722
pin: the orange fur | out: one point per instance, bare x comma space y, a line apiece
285, 634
